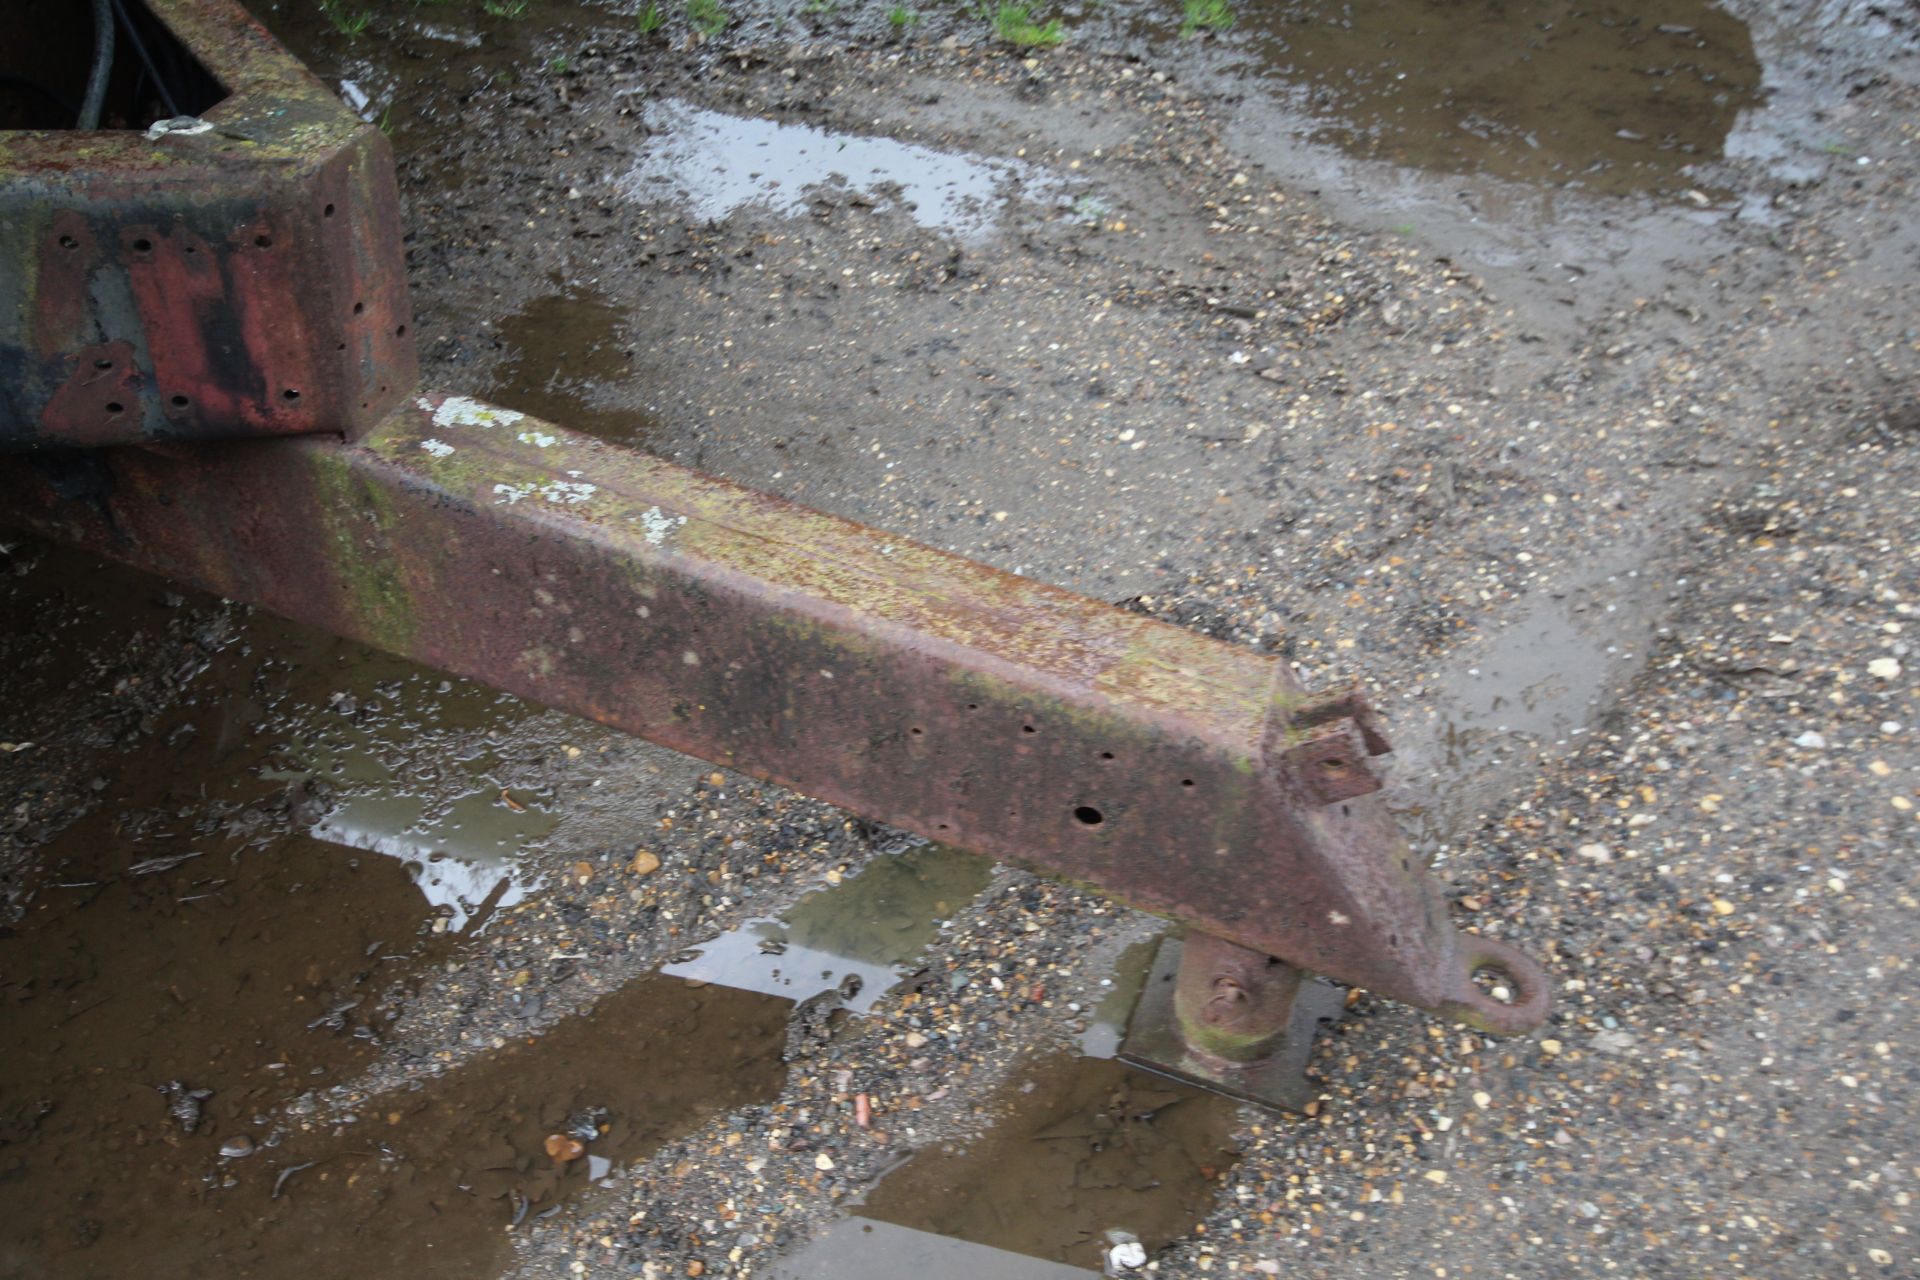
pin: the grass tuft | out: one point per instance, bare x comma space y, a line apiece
1014, 24
1207, 15
708, 17
348, 22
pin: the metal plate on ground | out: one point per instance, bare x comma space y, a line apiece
1153, 1040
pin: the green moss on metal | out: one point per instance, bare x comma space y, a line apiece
359, 517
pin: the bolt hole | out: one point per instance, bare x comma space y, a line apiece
1087, 815
944, 827
68, 242
289, 395
916, 731
263, 242
1334, 767
114, 406
1027, 728
179, 402
1186, 782
143, 245
1106, 755
973, 706
103, 364
401, 332
192, 249
327, 212
1496, 984
359, 308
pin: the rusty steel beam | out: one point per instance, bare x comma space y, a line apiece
237, 274
1178, 774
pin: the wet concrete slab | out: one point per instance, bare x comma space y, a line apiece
862, 1249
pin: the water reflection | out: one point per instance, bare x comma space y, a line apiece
853, 937
1615, 95
571, 362
717, 164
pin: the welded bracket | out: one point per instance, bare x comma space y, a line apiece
1245, 1027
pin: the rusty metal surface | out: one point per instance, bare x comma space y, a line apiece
1232, 1004
1292, 1011
917, 687
243, 280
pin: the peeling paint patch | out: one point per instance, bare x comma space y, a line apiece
658, 524
459, 411
438, 448
511, 493
540, 440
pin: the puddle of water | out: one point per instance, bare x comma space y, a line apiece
429, 1180
1107, 1026
255, 975
410, 767
717, 164
1084, 1147
102, 1181
1534, 685
571, 355
855, 1249
1616, 95
866, 928
1538, 679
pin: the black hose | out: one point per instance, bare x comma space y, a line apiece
102, 64
146, 59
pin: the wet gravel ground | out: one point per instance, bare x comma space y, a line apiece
1303, 404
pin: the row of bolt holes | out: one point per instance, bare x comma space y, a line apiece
144, 246
1086, 815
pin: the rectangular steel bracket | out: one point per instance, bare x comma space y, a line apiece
236, 275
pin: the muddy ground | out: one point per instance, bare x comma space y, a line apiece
1550, 370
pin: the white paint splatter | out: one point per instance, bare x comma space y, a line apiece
571, 492
459, 411
559, 492
659, 524
539, 439
438, 448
